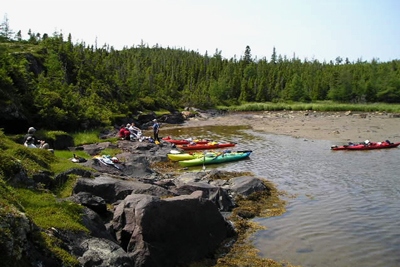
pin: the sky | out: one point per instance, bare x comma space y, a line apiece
307, 29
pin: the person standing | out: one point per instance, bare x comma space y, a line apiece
156, 129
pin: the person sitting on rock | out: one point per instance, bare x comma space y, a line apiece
124, 133
31, 141
135, 132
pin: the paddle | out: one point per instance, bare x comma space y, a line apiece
220, 154
223, 153
204, 160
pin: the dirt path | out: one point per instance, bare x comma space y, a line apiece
334, 126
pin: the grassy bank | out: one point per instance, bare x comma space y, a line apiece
325, 106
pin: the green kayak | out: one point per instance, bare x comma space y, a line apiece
216, 158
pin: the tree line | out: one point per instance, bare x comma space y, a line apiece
58, 84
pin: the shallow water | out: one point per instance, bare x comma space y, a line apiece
347, 206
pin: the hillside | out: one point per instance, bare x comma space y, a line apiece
55, 84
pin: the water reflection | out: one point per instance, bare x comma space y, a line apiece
347, 209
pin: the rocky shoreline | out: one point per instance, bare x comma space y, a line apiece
141, 215
138, 216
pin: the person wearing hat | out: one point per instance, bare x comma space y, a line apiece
31, 141
156, 128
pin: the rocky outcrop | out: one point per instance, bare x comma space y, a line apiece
19, 240
137, 216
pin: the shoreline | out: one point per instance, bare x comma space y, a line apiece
332, 126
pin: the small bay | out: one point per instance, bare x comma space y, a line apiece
344, 208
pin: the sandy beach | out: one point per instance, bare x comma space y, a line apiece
341, 127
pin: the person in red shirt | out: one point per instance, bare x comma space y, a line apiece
124, 133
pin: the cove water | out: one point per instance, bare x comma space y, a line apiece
346, 205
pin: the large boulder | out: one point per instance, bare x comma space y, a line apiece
169, 232
113, 189
59, 140
174, 118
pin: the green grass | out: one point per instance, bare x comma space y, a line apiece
41, 206
47, 212
87, 137
161, 112
54, 245
66, 154
323, 106
66, 189
90, 137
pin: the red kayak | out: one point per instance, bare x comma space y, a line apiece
183, 141
367, 146
211, 145
378, 145
344, 147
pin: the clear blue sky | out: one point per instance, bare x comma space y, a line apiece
312, 29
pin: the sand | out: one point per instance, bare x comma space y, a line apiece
341, 127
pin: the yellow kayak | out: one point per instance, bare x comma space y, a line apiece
186, 156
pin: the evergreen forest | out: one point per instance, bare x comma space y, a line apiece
53, 83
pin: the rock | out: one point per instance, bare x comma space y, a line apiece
96, 226
61, 140
19, 242
93, 202
174, 118
215, 194
161, 232
104, 253
188, 177
246, 185
187, 114
62, 178
95, 149
113, 189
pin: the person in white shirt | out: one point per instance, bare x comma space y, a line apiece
136, 133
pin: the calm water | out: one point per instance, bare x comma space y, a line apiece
347, 206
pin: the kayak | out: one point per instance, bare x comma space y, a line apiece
367, 146
211, 145
342, 147
216, 158
186, 156
184, 141
174, 156
370, 146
